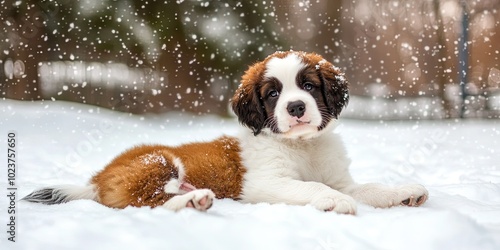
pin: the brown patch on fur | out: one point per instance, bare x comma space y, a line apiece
137, 177
215, 165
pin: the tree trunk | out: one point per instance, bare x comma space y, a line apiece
441, 78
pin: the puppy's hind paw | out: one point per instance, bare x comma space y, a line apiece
202, 199
199, 199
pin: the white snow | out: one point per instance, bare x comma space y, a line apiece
154, 158
64, 143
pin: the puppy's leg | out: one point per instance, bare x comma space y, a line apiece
290, 191
383, 196
149, 176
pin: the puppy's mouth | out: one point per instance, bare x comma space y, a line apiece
298, 128
299, 122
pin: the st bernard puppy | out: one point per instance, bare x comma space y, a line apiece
289, 103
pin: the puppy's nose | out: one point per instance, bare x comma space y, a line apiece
296, 108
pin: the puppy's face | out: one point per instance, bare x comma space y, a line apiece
290, 94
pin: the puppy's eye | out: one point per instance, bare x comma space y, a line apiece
273, 93
308, 86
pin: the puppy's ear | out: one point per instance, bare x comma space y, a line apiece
335, 87
247, 105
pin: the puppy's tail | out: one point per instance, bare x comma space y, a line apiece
62, 194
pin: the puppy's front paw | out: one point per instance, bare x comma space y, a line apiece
412, 195
339, 203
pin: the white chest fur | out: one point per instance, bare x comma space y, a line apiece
269, 160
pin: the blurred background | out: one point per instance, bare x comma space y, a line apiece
429, 59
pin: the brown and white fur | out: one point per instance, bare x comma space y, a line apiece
290, 102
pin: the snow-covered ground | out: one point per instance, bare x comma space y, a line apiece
61, 143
